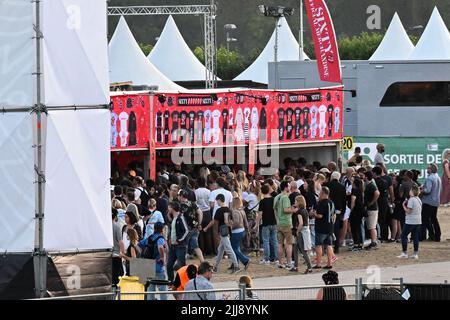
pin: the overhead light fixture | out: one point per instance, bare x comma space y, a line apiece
275, 11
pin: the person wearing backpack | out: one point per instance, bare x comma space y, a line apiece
154, 247
194, 217
154, 217
141, 192
239, 228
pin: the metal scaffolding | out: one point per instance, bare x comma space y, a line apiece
209, 13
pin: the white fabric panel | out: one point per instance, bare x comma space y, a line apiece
396, 44
288, 50
17, 55
17, 196
173, 57
434, 44
129, 63
76, 68
77, 204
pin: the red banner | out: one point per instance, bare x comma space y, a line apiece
325, 44
130, 117
247, 117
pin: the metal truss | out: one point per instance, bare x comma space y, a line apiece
209, 13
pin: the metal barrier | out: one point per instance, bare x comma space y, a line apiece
356, 291
427, 292
382, 291
334, 292
216, 294
99, 296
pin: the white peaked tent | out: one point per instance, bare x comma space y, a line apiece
128, 63
288, 50
435, 41
75, 131
396, 44
173, 57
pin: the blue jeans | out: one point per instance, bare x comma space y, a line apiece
415, 230
177, 259
236, 240
193, 241
270, 243
152, 287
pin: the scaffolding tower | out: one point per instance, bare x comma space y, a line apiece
209, 13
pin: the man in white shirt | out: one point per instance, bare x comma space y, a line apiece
220, 190
379, 156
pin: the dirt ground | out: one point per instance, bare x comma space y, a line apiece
385, 256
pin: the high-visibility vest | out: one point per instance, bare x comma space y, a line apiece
182, 273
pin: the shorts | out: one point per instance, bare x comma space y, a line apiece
323, 239
372, 219
285, 233
193, 239
347, 213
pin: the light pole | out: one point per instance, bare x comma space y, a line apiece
277, 13
300, 36
228, 27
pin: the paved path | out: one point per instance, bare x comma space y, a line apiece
417, 273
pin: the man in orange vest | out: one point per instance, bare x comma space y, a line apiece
183, 276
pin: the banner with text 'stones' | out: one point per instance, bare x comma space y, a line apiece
325, 43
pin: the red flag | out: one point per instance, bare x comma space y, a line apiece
325, 43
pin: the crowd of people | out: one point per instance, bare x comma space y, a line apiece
306, 210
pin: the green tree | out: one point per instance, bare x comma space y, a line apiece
359, 47
229, 63
146, 48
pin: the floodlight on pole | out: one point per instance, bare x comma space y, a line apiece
228, 27
276, 12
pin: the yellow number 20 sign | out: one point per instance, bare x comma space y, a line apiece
347, 144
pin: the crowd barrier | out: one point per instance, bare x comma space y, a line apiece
356, 291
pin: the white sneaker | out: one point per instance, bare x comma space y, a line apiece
415, 257
403, 256
276, 262
264, 261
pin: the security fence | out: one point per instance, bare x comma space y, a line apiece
356, 291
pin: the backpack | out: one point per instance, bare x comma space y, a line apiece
151, 248
145, 197
189, 212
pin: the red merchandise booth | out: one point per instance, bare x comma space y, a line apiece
224, 126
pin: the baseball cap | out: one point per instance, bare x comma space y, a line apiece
183, 193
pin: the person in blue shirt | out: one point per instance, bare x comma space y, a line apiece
160, 259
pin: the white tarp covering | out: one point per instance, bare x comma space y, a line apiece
288, 50
17, 55
435, 41
396, 44
75, 52
173, 57
128, 62
77, 204
17, 200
